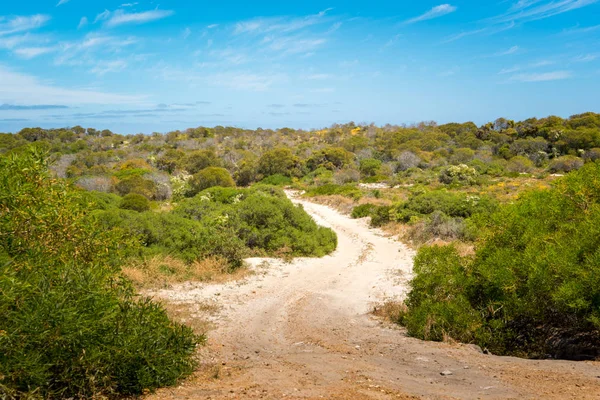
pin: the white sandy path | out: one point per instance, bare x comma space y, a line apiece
303, 330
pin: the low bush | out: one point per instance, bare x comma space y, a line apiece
565, 164
277, 180
363, 210
458, 174
71, 325
533, 286
210, 177
135, 202
328, 190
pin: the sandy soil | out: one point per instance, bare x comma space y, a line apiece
304, 330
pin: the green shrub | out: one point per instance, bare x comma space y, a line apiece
279, 161
533, 286
452, 204
370, 167
135, 202
138, 185
363, 210
71, 326
458, 174
277, 180
210, 177
331, 189
565, 164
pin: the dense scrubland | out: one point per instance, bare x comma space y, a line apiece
508, 247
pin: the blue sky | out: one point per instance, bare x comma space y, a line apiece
151, 66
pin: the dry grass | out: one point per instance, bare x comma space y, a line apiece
164, 271
193, 315
340, 203
391, 311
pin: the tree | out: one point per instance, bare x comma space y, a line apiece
210, 177
198, 160
279, 161
370, 167
135, 202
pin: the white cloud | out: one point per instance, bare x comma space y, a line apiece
21, 24
212, 26
532, 10
186, 33
82, 22
586, 58
542, 76
462, 35
294, 45
317, 77
86, 50
512, 50
61, 2
19, 88
435, 12
105, 67
129, 4
103, 16
32, 52
121, 17
279, 24
247, 81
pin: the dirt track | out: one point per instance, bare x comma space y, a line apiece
304, 330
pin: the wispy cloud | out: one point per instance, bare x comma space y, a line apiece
279, 24
26, 89
82, 22
61, 2
22, 24
579, 30
586, 58
246, 81
435, 12
532, 10
463, 34
541, 76
517, 68
104, 67
32, 52
512, 50
186, 33
121, 17
17, 107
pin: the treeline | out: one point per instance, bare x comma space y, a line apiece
160, 166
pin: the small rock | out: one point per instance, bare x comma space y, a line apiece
446, 373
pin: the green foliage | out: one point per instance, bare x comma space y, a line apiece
225, 222
210, 177
458, 174
331, 189
71, 326
196, 161
277, 180
331, 158
279, 161
137, 184
533, 286
566, 164
363, 210
135, 202
370, 167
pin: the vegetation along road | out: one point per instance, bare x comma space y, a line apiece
306, 330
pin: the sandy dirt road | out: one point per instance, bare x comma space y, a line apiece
303, 330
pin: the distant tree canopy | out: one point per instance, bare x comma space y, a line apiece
134, 163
